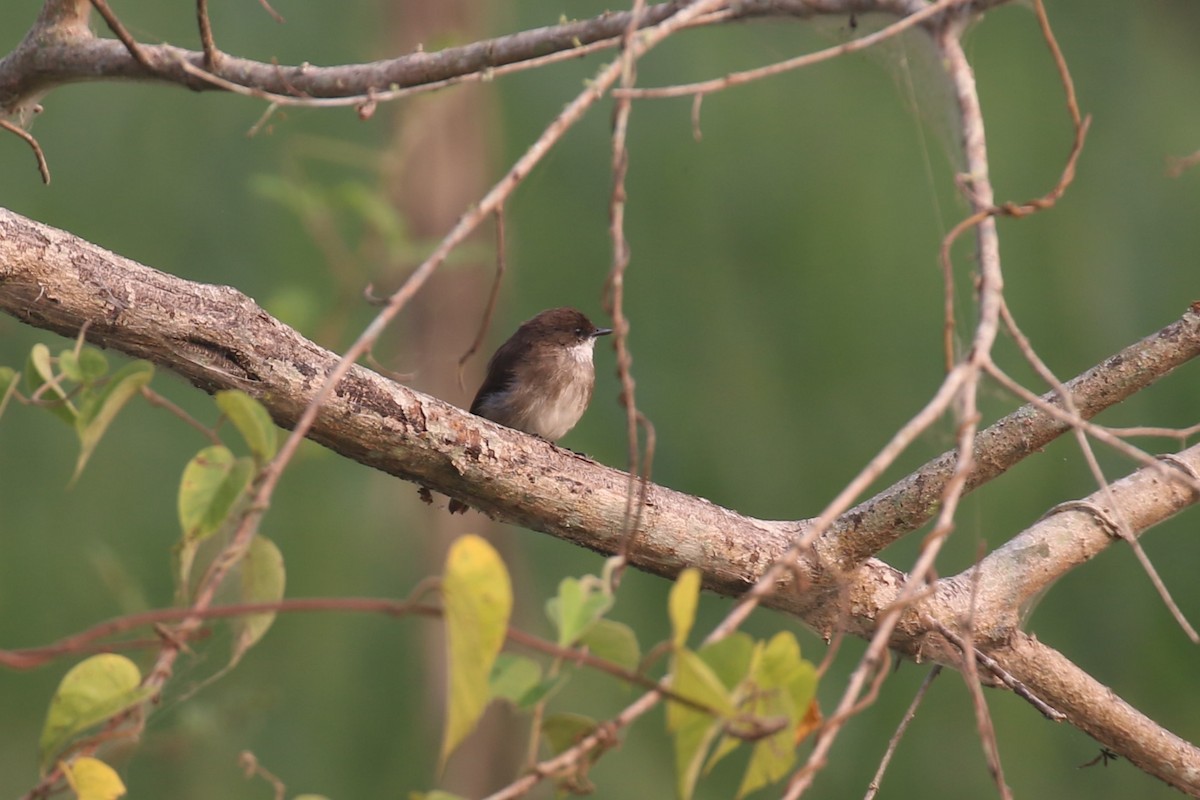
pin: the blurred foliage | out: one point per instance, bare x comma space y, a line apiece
785, 305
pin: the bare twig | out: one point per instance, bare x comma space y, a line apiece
1180, 435
252, 769
948, 41
876, 665
369, 95
701, 88
1177, 165
33, 69
114, 25
1095, 431
899, 442
43, 167
1068, 536
211, 54
275, 15
94, 639
970, 673
84, 56
1120, 525
909, 716
614, 298
1016, 210
155, 399
493, 295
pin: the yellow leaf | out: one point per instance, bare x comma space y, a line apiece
90, 693
477, 595
92, 779
685, 596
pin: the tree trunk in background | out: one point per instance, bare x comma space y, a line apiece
442, 166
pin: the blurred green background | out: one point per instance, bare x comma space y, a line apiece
785, 305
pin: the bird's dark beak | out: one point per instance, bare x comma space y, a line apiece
601, 332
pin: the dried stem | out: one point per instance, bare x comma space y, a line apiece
43, 167
211, 54
909, 716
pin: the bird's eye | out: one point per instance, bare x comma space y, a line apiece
580, 332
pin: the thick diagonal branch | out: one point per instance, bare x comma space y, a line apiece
217, 338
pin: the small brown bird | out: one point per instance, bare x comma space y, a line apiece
540, 381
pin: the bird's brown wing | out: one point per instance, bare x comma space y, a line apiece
498, 376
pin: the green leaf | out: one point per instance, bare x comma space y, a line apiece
564, 731
92, 779
87, 367
38, 372
544, 690
477, 596
519, 680
694, 729
262, 581
695, 681
724, 747
579, 604
101, 407
783, 667
770, 760
91, 692
514, 677
93, 364
68, 364
730, 658
733, 659
685, 596
784, 685
691, 743
252, 421
615, 642
213, 483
